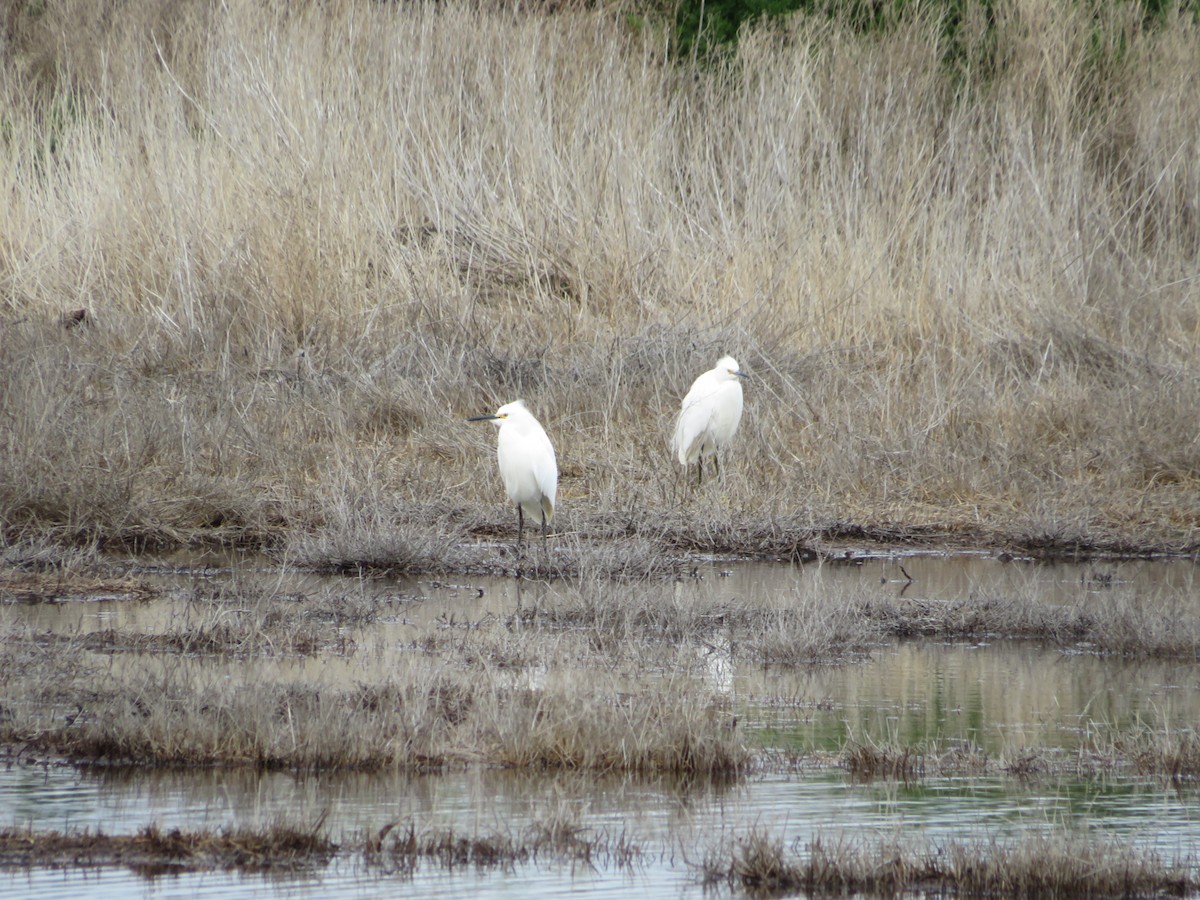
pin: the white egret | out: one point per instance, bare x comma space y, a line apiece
709, 415
527, 463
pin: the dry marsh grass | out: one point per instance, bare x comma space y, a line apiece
254, 670
1171, 757
781, 633
400, 847
1034, 867
274, 679
755, 863
405, 848
154, 851
1155, 625
311, 240
1175, 756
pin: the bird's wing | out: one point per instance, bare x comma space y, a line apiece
694, 414
545, 473
689, 427
726, 405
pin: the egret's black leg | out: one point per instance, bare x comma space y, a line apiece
699, 470
520, 525
716, 466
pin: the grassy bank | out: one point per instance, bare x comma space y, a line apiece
310, 242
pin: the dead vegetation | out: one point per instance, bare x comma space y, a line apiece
1119, 623
154, 851
482, 695
309, 243
1173, 755
276, 671
405, 846
264, 670
755, 863
1034, 867
399, 848
966, 303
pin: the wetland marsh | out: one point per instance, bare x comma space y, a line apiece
935, 625
988, 737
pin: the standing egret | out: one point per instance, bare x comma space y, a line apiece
527, 463
709, 415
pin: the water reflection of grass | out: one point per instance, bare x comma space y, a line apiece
1022, 704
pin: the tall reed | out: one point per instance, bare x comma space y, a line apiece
312, 238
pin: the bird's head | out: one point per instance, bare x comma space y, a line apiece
728, 366
514, 409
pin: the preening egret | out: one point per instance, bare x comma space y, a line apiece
709, 415
527, 463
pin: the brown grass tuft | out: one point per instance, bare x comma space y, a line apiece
397, 847
468, 703
407, 846
867, 761
1174, 756
155, 851
1119, 622
1039, 866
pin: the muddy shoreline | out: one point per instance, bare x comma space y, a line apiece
595, 553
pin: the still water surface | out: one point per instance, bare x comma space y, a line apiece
993, 696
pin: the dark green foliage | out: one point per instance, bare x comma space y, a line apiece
704, 29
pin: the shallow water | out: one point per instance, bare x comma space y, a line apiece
670, 822
997, 697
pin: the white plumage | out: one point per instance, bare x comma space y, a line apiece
527, 464
709, 414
